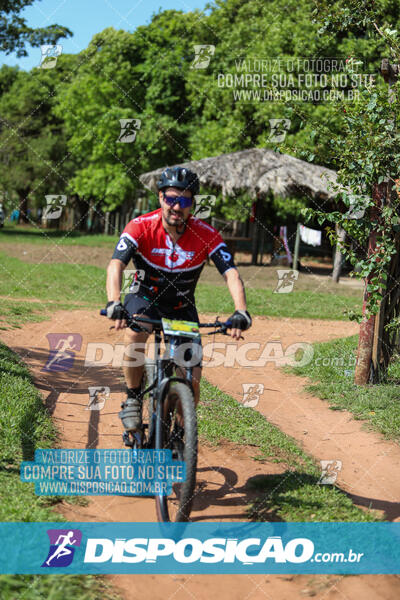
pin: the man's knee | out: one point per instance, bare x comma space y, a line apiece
132, 336
197, 373
196, 376
135, 344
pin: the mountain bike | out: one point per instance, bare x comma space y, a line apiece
167, 391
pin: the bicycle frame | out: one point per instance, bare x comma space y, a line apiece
165, 364
164, 379
159, 388
164, 370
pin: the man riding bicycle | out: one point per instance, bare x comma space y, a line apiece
171, 247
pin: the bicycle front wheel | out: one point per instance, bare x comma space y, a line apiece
176, 430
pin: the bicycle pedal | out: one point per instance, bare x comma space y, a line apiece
127, 440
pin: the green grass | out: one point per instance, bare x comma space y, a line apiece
15, 313
24, 421
60, 282
293, 495
54, 587
17, 234
296, 496
86, 284
378, 405
297, 304
25, 425
222, 417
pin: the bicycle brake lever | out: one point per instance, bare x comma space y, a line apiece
222, 330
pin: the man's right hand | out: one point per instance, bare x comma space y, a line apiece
116, 312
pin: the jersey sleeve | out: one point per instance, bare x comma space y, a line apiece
219, 253
223, 259
128, 242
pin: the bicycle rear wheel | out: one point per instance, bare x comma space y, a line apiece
178, 403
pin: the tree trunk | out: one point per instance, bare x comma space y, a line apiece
385, 341
367, 326
107, 223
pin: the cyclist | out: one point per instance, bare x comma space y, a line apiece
170, 247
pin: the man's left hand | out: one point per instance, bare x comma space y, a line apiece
241, 320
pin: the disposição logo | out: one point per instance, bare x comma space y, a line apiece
62, 547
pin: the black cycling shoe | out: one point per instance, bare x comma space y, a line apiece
131, 414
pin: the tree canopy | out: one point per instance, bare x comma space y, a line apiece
15, 33
62, 127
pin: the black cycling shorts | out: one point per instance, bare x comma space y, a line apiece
140, 305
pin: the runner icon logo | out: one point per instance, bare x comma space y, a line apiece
62, 547
279, 129
203, 54
286, 280
129, 128
330, 470
203, 206
55, 205
131, 280
252, 393
97, 397
357, 206
62, 350
50, 53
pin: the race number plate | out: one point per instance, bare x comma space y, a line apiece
180, 328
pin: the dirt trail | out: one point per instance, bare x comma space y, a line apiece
370, 465
223, 471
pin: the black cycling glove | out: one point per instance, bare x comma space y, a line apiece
240, 320
115, 311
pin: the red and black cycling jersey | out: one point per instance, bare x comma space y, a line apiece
168, 272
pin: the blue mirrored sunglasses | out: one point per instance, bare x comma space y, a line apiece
181, 200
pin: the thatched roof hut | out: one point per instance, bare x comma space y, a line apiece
257, 172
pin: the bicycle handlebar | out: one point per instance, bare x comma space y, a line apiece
103, 313
223, 325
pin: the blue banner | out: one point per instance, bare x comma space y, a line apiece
212, 548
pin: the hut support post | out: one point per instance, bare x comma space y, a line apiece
254, 249
256, 233
338, 260
262, 240
296, 248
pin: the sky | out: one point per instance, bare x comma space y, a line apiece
87, 17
